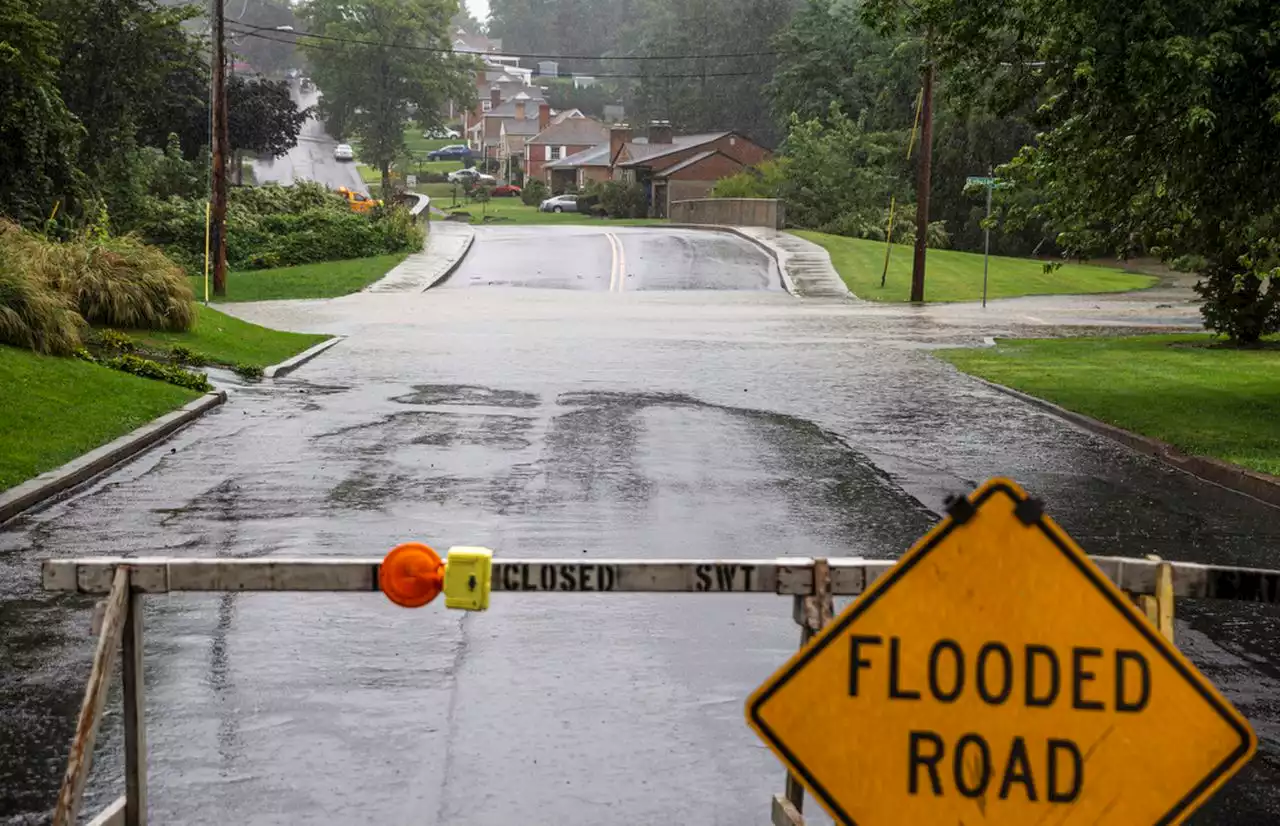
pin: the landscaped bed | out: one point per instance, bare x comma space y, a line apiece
1191, 391
957, 276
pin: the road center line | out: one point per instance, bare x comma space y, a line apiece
615, 249
622, 264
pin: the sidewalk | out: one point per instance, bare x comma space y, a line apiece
447, 244
806, 265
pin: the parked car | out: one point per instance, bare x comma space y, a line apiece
472, 174
454, 152
506, 191
359, 202
441, 133
560, 203
343, 152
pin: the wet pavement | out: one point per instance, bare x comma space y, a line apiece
615, 259
565, 422
312, 159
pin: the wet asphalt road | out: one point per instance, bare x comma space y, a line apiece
617, 259
312, 159
563, 422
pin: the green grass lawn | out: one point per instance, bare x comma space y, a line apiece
327, 279
229, 340
957, 276
513, 210
1205, 399
55, 409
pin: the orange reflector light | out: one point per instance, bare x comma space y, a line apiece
411, 575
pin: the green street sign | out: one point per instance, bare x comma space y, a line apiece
979, 181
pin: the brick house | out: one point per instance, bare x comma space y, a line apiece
561, 140
524, 114
670, 167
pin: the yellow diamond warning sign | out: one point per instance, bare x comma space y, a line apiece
994, 675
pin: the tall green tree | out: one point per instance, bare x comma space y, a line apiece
387, 63
262, 118
1158, 124
113, 56
38, 135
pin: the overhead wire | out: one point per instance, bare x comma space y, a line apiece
662, 76
529, 55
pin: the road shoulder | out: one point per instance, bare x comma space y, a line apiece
447, 244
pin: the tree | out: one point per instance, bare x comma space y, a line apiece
828, 54
262, 118
380, 66
1158, 127
113, 57
38, 136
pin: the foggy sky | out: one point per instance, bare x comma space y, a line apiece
479, 9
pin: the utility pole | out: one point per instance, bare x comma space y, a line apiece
218, 139
924, 177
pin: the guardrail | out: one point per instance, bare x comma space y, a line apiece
812, 583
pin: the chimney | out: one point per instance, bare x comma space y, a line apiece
619, 135
519, 108
495, 97
660, 131
544, 116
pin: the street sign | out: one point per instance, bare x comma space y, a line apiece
996, 675
411, 180
987, 182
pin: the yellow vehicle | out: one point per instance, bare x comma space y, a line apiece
358, 201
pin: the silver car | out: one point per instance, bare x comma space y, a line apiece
560, 203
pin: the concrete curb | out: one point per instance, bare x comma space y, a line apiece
275, 371
443, 276
1261, 486
777, 255
47, 485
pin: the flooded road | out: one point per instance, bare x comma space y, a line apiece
554, 423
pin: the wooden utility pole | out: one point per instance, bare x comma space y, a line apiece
218, 141
924, 175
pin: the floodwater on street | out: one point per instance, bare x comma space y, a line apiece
696, 416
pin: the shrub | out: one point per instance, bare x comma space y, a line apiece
248, 371
32, 315
115, 341
624, 200
186, 356
121, 282
534, 192
280, 229
1188, 263
147, 368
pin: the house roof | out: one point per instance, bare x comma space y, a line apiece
595, 156
693, 161
640, 153
464, 41
508, 108
574, 132
526, 128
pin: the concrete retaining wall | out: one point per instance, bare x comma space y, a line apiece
738, 212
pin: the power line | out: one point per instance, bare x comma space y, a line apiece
529, 55
686, 76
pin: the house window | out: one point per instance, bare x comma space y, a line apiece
557, 152
486, 105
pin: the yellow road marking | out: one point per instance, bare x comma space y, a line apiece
617, 267
622, 265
